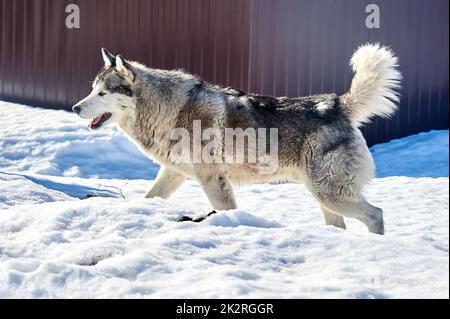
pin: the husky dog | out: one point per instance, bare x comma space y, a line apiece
319, 143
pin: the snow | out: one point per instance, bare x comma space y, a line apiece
56, 143
115, 244
420, 155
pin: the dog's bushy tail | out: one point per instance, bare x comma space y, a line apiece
374, 88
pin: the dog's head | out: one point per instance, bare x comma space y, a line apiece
112, 98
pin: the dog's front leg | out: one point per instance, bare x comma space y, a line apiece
219, 191
166, 183
220, 194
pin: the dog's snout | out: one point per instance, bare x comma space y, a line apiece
76, 109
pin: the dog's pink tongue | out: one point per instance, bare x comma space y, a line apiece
95, 120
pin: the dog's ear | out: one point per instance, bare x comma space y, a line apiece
110, 60
124, 68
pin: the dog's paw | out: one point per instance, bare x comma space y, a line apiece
195, 220
184, 219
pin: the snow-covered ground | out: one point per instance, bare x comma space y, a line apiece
420, 155
116, 244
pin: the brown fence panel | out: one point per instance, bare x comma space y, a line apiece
279, 47
44, 63
303, 47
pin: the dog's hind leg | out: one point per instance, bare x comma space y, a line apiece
370, 215
166, 183
353, 207
332, 218
336, 179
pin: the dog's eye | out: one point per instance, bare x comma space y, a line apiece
101, 93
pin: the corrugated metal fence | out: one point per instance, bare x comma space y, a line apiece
284, 47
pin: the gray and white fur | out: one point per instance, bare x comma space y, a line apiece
319, 143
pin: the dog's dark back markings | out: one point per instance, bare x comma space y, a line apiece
194, 91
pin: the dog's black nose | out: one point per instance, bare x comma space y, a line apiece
76, 109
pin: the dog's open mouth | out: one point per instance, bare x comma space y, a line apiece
99, 120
